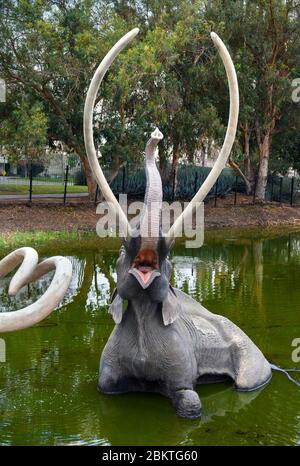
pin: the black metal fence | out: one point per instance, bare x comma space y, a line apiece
30, 181
131, 180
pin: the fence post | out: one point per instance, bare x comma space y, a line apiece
235, 189
272, 187
292, 190
66, 183
216, 192
30, 184
280, 192
96, 194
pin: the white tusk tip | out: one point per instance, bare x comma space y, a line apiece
214, 37
135, 31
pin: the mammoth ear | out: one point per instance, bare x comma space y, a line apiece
116, 307
171, 307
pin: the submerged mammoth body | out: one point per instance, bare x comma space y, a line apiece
165, 341
170, 346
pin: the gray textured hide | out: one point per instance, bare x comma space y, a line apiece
147, 353
164, 341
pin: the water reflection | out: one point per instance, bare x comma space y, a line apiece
51, 372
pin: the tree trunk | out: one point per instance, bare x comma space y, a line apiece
264, 140
247, 162
174, 167
163, 167
91, 183
115, 173
116, 166
262, 176
247, 173
203, 151
235, 166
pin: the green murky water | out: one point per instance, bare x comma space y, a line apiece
48, 390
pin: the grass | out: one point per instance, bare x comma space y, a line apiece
70, 242
7, 189
56, 242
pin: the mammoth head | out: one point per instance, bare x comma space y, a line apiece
143, 268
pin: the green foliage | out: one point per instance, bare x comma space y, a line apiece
263, 37
37, 168
170, 76
79, 178
23, 133
189, 180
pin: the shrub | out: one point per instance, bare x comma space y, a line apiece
189, 179
79, 178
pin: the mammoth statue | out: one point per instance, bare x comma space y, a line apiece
163, 340
28, 272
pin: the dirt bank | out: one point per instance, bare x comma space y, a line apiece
81, 216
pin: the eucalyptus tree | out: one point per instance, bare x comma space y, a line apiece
23, 128
264, 36
167, 77
48, 50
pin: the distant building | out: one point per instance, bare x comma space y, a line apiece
3, 164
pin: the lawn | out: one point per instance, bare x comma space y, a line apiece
6, 189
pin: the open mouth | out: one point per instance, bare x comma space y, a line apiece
145, 274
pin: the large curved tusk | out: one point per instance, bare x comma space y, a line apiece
227, 145
29, 258
88, 126
34, 313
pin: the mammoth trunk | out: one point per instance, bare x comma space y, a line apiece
150, 217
